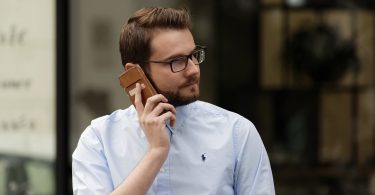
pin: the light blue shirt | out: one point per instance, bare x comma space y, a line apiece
213, 152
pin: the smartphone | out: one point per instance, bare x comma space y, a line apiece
130, 78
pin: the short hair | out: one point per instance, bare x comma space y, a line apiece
137, 32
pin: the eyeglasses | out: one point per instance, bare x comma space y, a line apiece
179, 64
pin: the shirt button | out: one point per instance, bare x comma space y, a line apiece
162, 170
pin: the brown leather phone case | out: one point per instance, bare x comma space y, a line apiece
128, 81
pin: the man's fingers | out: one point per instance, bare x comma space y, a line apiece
163, 107
138, 99
172, 121
169, 116
153, 101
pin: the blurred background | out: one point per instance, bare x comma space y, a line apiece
301, 70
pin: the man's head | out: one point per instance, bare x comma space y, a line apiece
136, 35
153, 38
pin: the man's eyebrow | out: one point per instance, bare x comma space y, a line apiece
174, 56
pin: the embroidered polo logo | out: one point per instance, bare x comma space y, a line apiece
204, 156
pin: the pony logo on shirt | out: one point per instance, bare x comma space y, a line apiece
204, 156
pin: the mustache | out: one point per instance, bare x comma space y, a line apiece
192, 80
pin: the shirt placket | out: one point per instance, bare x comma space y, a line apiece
163, 179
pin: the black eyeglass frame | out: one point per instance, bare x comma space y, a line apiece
198, 48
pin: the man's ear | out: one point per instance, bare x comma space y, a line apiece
129, 65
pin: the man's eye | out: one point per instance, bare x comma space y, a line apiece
178, 59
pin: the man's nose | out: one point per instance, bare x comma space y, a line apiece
192, 68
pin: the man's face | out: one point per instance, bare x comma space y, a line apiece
181, 87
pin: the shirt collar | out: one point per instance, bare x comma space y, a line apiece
182, 113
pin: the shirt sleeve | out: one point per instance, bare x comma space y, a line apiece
253, 174
90, 170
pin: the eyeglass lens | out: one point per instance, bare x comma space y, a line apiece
180, 64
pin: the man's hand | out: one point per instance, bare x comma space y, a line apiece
153, 117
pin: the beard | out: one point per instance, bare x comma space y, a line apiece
175, 97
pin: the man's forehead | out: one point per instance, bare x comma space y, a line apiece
165, 43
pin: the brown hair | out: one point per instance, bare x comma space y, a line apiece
136, 34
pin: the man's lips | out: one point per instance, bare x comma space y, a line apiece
190, 83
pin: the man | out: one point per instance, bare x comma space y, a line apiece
173, 144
